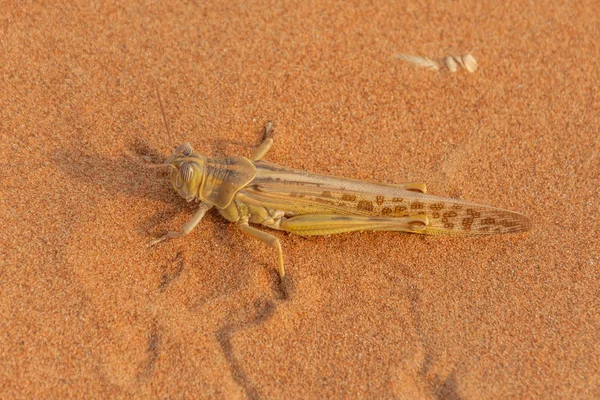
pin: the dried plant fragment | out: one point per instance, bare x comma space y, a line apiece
452, 63
420, 61
467, 62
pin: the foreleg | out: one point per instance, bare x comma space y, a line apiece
187, 227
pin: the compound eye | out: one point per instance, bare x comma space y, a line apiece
186, 171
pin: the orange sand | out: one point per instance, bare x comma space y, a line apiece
86, 310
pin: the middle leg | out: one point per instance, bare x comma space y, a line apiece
268, 239
265, 145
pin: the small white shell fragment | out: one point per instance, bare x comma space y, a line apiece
451, 64
469, 63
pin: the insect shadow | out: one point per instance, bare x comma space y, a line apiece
130, 175
263, 311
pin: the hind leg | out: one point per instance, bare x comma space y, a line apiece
413, 186
320, 224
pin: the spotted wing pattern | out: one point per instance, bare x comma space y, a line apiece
299, 192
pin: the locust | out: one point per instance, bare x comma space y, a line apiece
254, 191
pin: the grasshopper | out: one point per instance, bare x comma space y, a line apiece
246, 191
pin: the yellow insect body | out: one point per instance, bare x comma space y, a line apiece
253, 191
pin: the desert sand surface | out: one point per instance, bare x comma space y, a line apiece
88, 311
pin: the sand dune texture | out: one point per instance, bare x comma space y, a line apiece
86, 310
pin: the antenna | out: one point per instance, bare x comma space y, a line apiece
162, 108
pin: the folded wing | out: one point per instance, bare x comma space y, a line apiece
302, 193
